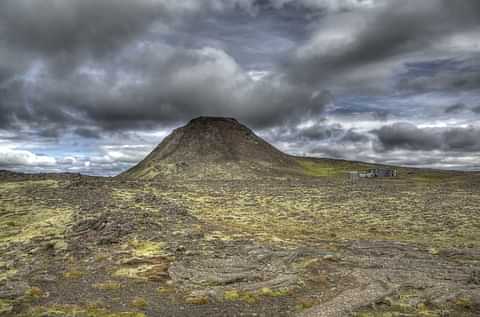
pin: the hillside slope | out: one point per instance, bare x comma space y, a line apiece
212, 147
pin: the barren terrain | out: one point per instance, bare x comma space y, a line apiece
311, 245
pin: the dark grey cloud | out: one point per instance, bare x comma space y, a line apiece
409, 137
98, 60
365, 45
456, 108
63, 26
159, 84
49, 133
321, 135
87, 133
442, 75
352, 136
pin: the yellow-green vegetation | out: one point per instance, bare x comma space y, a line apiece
232, 295
6, 306
7, 273
23, 220
194, 299
147, 260
148, 172
146, 249
408, 304
252, 297
77, 311
431, 178
305, 303
313, 168
45, 222
322, 168
265, 291
73, 274
139, 302
35, 293
400, 209
167, 239
166, 289
464, 303
108, 286
15, 185
135, 272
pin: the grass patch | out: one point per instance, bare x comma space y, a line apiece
77, 311
138, 302
6, 306
402, 305
73, 274
252, 297
274, 293
377, 209
35, 293
146, 249
318, 169
197, 299
7, 274
137, 272
108, 286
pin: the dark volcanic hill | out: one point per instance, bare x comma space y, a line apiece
212, 147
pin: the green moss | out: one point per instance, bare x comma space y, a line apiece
35, 293
43, 222
108, 286
274, 293
147, 257
195, 299
77, 311
137, 272
146, 249
305, 303
252, 297
73, 274
139, 302
464, 303
326, 167
313, 168
231, 295
339, 212
16, 185
7, 274
431, 178
166, 290
402, 306
6, 306
234, 295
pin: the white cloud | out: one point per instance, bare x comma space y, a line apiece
257, 75
123, 153
13, 157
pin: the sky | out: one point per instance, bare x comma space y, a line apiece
92, 86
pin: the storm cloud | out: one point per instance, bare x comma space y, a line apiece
375, 44
408, 136
84, 82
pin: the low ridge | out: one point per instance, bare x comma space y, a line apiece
212, 147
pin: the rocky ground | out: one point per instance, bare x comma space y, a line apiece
317, 245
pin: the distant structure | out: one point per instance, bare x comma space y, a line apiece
354, 176
379, 172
